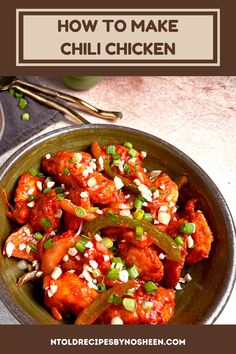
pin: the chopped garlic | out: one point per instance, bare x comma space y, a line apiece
144, 154
89, 244
65, 258
50, 184
156, 194
56, 273
22, 246
178, 286
93, 264
125, 212
116, 321
118, 182
98, 238
39, 185
9, 249
124, 276
190, 242
164, 218
31, 204
92, 182
106, 257
72, 251
101, 163
84, 194
48, 156
162, 256
188, 277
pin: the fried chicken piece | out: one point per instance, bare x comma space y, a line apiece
161, 312
78, 175
202, 236
16, 244
26, 187
146, 260
44, 215
67, 294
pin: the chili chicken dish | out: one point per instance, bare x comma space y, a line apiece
105, 238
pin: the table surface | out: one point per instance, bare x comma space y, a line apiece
195, 114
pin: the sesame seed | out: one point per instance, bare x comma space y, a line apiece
162, 186
99, 212
190, 242
48, 156
127, 196
71, 271
31, 204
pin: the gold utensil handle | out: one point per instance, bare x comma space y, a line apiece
70, 113
78, 102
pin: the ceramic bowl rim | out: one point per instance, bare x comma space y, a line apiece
23, 317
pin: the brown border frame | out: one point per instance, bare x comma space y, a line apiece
215, 61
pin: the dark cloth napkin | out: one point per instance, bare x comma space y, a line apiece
16, 130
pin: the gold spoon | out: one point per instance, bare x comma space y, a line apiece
7, 82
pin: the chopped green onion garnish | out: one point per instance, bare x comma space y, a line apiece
25, 116
139, 232
110, 212
138, 203
132, 152
76, 158
22, 104
147, 305
129, 304
11, 91
59, 190
147, 217
101, 287
40, 174
48, 244
150, 287
187, 228
33, 247
179, 240
111, 150
113, 273
138, 214
107, 242
96, 273
80, 246
93, 209
18, 95
116, 156
133, 272
60, 196
114, 299
33, 172
114, 250
31, 198
126, 168
47, 190
117, 260
38, 236
45, 222
128, 145
152, 178
80, 212
66, 171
